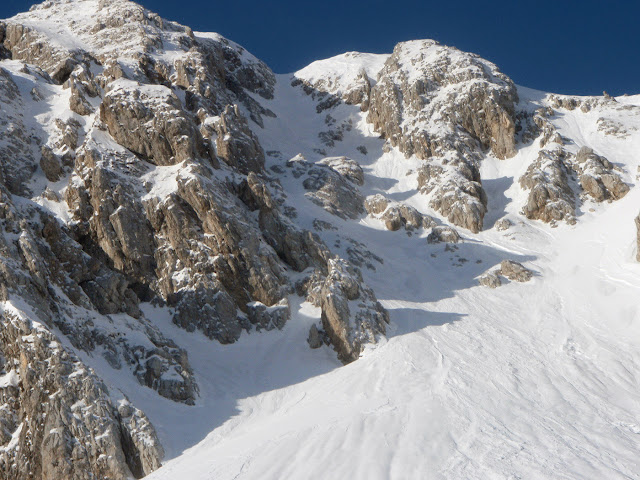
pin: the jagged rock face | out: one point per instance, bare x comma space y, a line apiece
550, 197
167, 200
422, 80
446, 106
145, 216
150, 122
61, 420
18, 144
597, 177
351, 316
236, 144
551, 178
347, 167
331, 187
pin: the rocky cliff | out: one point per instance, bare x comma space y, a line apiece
133, 173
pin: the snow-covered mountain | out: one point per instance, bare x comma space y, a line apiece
380, 266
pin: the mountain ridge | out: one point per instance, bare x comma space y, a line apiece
168, 200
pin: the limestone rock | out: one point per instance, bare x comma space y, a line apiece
351, 316
376, 204
315, 337
515, 271
31, 46
480, 99
475, 107
328, 189
550, 197
269, 317
236, 144
338, 82
347, 167
443, 234
50, 164
149, 215
397, 215
455, 191
17, 141
490, 279
597, 176
149, 121
77, 433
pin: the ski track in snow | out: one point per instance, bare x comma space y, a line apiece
534, 380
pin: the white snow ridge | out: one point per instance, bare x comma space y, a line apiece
397, 266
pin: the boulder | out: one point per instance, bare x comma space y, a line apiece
550, 196
515, 271
443, 234
598, 177
490, 279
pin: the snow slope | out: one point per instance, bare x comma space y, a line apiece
533, 380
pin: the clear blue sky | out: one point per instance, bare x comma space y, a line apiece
563, 46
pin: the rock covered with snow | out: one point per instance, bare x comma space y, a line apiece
344, 78
490, 279
347, 167
550, 195
515, 271
159, 163
63, 421
149, 120
351, 315
446, 107
133, 180
396, 215
597, 176
443, 234
330, 187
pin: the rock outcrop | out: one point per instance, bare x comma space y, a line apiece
57, 417
351, 315
515, 271
149, 121
490, 279
443, 234
597, 176
554, 193
136, 197
550, 195
330, 188
445, 107
397, 215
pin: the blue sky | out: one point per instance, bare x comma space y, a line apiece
564, 46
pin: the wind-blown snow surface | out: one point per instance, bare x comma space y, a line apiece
533, 380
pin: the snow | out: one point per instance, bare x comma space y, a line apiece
534, 380
342, 70
9, 379
163, 181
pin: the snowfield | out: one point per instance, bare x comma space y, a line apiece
532, 380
